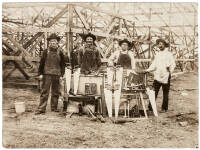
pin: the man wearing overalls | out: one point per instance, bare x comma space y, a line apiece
51, 68
123, 56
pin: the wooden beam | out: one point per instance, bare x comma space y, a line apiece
34, 46
125, 23
109, 26
69, 35
60, 14
17, 45
108, 49
7, 74
99, 49
30, 4
9, 46
82, 18
97, 9
19, 58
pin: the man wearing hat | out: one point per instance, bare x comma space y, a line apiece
123, 57
163, 65
51, 68
89, 57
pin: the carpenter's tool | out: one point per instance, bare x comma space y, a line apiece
108, 90
117, 91
70, 115
128, 108
124, 120
94, 118
125, 110
91, 113
68, 72
143, 105
76, 79
151, 95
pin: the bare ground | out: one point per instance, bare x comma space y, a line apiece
52, 131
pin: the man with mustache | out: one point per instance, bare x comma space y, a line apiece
89, 57
163, 65
123, 56
51, 68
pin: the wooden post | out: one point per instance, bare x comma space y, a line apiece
45, 40
120, 26
170, 7
193, 51
69, 35
149, 52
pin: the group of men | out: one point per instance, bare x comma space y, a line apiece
88, 58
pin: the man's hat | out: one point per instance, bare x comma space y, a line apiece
125, 41
53, 36
89, 35
163, 41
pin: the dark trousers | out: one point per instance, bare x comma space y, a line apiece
53, 82
165, 88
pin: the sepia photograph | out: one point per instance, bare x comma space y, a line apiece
100, 74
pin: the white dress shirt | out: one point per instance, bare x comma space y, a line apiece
162, 60
115, 56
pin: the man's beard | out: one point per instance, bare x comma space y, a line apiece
161, 48
89, 43
52, 48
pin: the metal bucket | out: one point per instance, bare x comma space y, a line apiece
20, 107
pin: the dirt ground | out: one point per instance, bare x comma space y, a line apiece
53, 131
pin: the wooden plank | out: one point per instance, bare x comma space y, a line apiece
6, 75
60, 14
5, 51
99, 49
97, 9
17, 45
143, 105
125, 23
34, 46
69, 35
9, 45
108, 49
82, 18
109, 26
19, 58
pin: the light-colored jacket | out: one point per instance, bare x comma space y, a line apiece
161, 62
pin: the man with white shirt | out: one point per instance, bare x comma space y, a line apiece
163, 65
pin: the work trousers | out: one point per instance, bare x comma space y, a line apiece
165, 88
49, 81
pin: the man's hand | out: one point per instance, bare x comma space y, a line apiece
168, 69
40, 77
68, 67
61, 78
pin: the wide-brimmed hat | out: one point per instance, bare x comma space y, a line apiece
53, 36
163, 41
89, 35
125, 41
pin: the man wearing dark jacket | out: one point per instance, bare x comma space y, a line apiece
89, 56
51, 68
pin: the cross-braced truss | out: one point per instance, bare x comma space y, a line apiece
26, 26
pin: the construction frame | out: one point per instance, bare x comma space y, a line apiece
26, 26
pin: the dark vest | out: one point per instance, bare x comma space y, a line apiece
124, 61
52, 63
90, 60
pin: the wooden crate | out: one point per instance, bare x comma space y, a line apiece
83, 79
